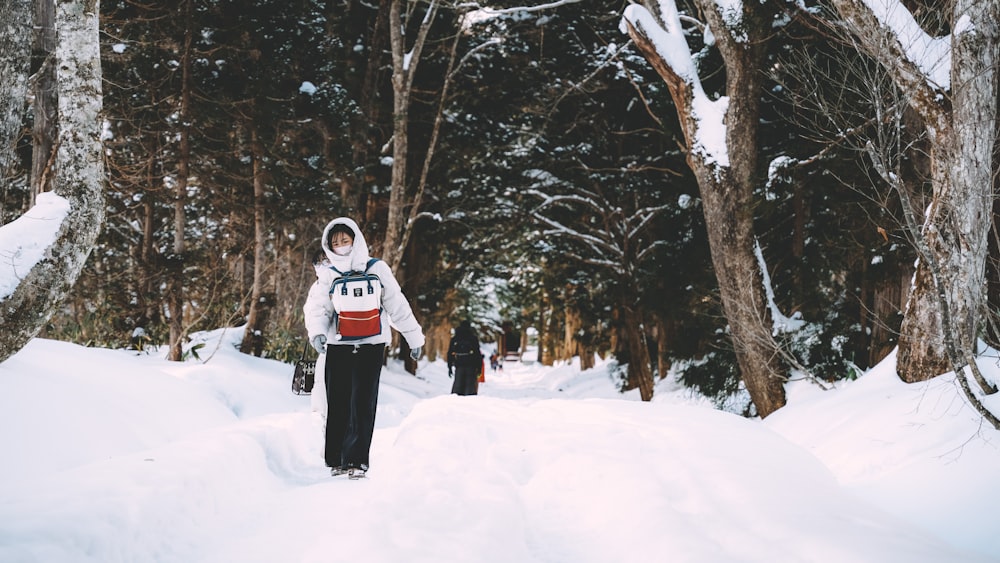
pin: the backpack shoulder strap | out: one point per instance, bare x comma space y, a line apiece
341, 275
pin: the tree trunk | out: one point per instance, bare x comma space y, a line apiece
79, 179
888, 298
571, 323
253, 334
547, 330
639, 372
404, 66
438, 336
45, 104
15, 40
993, 259
962, 138
727, 215
799, 233
175, 297
147, 306
400, 126
726, 189
663, 335
397, 195
958, 240
415, 202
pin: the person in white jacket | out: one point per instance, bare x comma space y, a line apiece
353, 366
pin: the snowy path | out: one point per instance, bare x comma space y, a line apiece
220, 462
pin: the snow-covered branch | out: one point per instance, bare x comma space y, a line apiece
552, 200
608, 240
920, 64
932, 55
643, 217
599, 262
704, 122
24, 241
668, 38
645, 252
600, 246
472, 52
487, 12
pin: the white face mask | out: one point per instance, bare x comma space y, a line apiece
343, 250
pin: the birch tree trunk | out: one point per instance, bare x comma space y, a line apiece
962, 133
79, 178
726, 187
15, 40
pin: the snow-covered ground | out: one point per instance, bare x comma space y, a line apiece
112, 456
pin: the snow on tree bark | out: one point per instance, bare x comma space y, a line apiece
725, 175
961, 129
79, 178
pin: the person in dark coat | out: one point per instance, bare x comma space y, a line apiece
465, 360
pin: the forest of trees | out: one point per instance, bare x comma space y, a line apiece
549, 156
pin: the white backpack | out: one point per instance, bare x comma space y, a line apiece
357, 300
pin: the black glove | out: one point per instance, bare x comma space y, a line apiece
449, 371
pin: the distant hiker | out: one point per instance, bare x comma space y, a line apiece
494, 361
347, 316
465, 359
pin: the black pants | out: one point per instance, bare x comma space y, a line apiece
352, 377
466, 380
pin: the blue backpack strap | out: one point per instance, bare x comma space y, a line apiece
367, 266
339, 275
343, 289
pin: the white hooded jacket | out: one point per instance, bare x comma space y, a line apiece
396, 312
